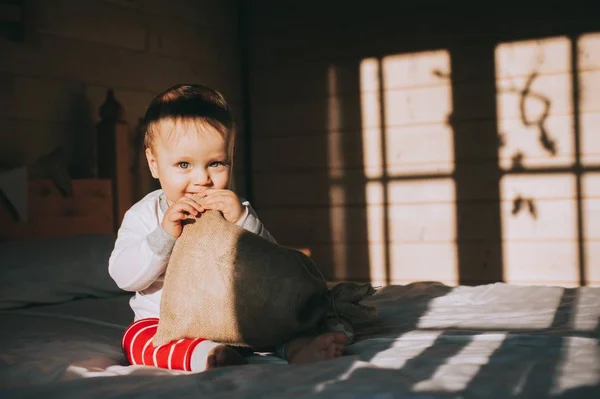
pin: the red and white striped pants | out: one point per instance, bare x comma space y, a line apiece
137, 345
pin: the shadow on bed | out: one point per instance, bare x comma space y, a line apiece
525, 364
400, 355
416, 298
580, 392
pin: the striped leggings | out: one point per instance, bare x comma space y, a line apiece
184, 354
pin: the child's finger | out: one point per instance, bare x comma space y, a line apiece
183, 207
210, 197
195, 197
217, 198
177, 216
193, 203
211, 191
214, 205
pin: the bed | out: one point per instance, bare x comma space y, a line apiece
431, 340
62, 318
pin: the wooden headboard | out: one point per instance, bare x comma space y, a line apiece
96, 206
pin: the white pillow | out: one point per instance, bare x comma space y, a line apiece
54, 270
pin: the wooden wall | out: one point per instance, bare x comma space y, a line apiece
53, 80
391, 139
397, 141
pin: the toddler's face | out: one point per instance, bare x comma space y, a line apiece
187, 157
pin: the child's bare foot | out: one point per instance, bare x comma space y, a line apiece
313, 349
223, 355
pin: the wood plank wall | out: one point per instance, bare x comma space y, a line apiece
449, 180
54, 79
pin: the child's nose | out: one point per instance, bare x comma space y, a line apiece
201, 178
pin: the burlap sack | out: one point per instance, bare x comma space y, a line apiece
229, 285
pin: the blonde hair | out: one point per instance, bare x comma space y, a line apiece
189, 103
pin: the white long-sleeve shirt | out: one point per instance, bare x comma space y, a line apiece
142, 250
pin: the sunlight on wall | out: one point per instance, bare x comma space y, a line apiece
535, 120
591, 217
589, 119
535, 111
423, 231
540, 245
376, 233
418, 101
337, 193
589, 81
373, 167
371, 118
413, 141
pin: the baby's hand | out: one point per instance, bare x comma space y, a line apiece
177, 213
225, 201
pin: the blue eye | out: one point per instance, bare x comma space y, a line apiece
183, 165
216, 164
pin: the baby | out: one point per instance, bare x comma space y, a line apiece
189, 142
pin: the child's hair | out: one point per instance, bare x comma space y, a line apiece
189, 102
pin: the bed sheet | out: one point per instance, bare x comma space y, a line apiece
430, 340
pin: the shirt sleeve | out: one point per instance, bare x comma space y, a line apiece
252, 223
141, 253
